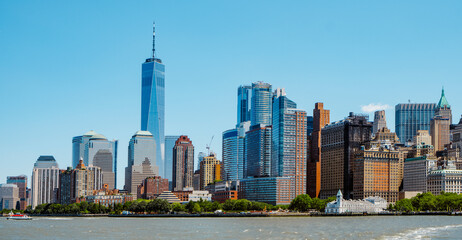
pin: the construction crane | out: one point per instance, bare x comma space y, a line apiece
208, 146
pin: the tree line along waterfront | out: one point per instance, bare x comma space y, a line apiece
302, 203
429, 202
447, 202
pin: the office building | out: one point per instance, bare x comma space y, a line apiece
379, 121
153, 103
151, 187
233, 152
441, 124
183, 163
309, 125
260, 112
200, 157
444, 180
339, 142
456, 135
141, 160
168, 165
9, 197
258, 151
411, 117
423, 138
321, 117
416, 170
96, 150
289, 150
45, 180
210, 171
21, 182
272, 190
244, 96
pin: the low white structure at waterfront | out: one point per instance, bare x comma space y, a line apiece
196, 196
369, 205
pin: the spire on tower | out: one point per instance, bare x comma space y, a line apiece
153, 39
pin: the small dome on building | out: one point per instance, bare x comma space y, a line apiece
143, 133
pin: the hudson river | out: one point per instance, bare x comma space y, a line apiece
374, 227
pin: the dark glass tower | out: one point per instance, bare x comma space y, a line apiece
153, 103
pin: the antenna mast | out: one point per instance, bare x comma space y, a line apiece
153, 39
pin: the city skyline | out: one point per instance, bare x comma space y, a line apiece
40, 116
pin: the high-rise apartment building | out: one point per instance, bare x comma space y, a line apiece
79, 182
411, 117
141, 160
244, 96
21, 182
153, 103
258, 151
340, 141
168, 164
321, 117
379, 121
260, 112
96, 150
183, 163
289, 142
210, 171
45, 180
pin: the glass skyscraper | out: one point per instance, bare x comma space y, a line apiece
168, 166
153, 105
244, 94
411, 117
260, 112
95, 149
233, 152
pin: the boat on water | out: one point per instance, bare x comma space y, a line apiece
13, 216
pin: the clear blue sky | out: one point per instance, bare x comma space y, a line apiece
70, 67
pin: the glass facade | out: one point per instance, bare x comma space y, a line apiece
261, 103
258, 151
411, 117
168, 167
244, 94
233, 152
153, 105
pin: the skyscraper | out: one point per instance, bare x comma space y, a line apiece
141, 160
260, 112
210, 171
244, 96
183, 164
379, 121
45, 180
233, 152
96, 150
440, 124
321, 117
410, 117
78, 182
339, 143
258, 151
153, 103
168, 163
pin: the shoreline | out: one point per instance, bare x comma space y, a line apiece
249, 215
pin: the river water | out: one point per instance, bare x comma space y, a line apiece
368, 227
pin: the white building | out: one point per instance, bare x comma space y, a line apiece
45, 180
369, 205
196, 196
447, 180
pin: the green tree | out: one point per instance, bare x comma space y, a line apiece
196, 208
404, 205
158, 205
178, 207
229, 205
301, 203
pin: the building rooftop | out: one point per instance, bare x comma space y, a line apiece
443, 103
143, 133
46, 158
